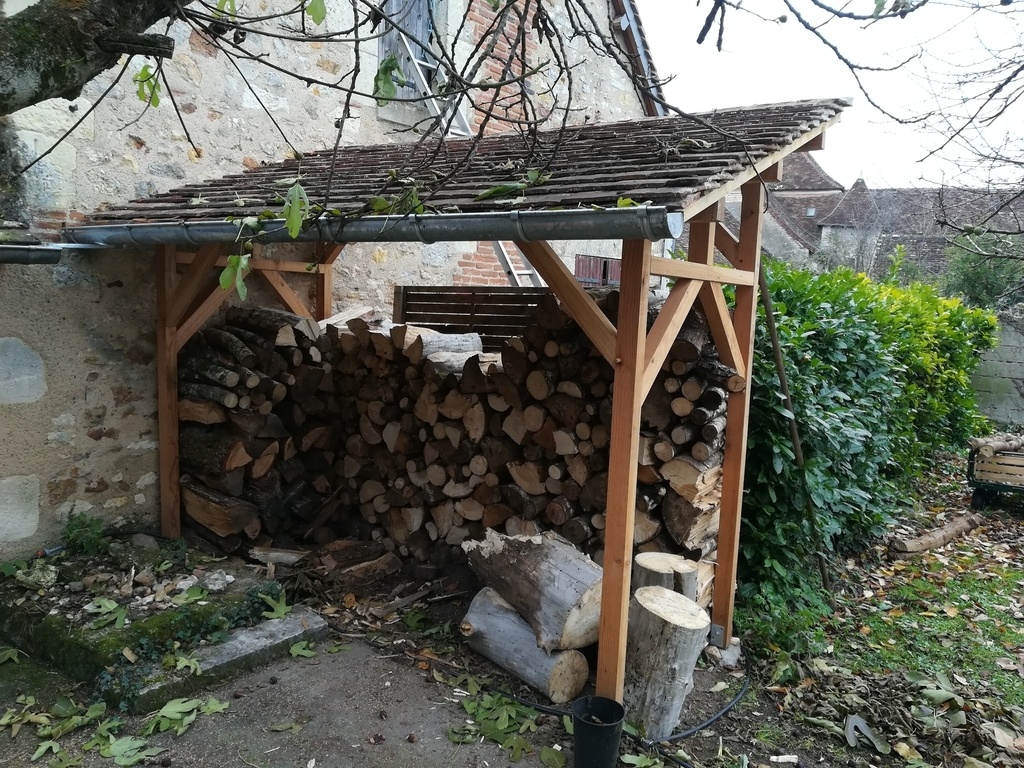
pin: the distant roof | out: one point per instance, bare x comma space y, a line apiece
801, 173
661, 161
856, 209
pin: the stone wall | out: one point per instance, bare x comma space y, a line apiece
999, 380
77, 377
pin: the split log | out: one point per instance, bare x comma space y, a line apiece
493, 629
901, 547
231, 344
201, 412
210, 451
667, 633
222, 514
663, 569
552, 585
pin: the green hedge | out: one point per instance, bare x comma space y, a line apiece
880, 376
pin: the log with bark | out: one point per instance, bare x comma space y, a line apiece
550, 583
494, 629
667, 633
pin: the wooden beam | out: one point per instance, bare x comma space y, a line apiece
267, 265
622, 463
167, 394
698, 204
701, 248
191, 282
737, 418
774, 173
722, 328
200, 313
726, 243
818, 142
286, 294
692, 270
325, 282
577, 303
666, 327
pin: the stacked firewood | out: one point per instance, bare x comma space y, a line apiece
414, 440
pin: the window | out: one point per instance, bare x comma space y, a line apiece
811, 212
412, 17
596, 270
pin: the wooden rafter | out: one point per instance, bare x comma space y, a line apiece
577, 302
666, 327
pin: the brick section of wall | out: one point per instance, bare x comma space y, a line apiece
480, 268
504, 63
484, 268
46, 225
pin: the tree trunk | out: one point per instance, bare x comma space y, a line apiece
552, 585
494, 630
667, 632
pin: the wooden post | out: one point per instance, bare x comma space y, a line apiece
167, 393
748, 258
325, 280
630, 344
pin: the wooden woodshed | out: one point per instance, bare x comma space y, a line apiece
635, 182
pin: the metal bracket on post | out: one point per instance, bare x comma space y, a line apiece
717, 637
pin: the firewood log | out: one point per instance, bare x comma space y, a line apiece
552, 585
493, 629
663, 569
224, 515
210, 451
667, 632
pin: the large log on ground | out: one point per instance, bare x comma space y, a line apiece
902, 547
667, 632
494, 630
552, 585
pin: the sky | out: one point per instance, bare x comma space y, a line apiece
765, 61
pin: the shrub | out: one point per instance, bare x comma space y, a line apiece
879, 376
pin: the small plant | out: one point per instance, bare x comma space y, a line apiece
499, 719
107, 612
279, 608
9, 568
83, 535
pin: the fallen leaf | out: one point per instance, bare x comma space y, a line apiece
906, 751
720, 686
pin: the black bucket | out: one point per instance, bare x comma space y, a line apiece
596, 728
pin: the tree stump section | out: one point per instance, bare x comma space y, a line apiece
494, 630
549, 582
663, 569
667, 632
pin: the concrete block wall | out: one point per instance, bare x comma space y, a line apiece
999, 380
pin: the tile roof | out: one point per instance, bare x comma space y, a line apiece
667, 161
802, 173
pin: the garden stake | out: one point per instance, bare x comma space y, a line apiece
794, 431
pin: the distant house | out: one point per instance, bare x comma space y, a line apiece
822, 225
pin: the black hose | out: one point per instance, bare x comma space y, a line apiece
646, 743
714, 718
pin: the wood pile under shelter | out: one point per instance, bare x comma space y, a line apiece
293, 436
680, 168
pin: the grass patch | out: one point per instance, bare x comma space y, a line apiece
960, 624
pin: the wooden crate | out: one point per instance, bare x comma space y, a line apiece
496, 313
1003, 469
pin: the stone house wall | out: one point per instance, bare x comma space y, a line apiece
77, 340
999, 380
